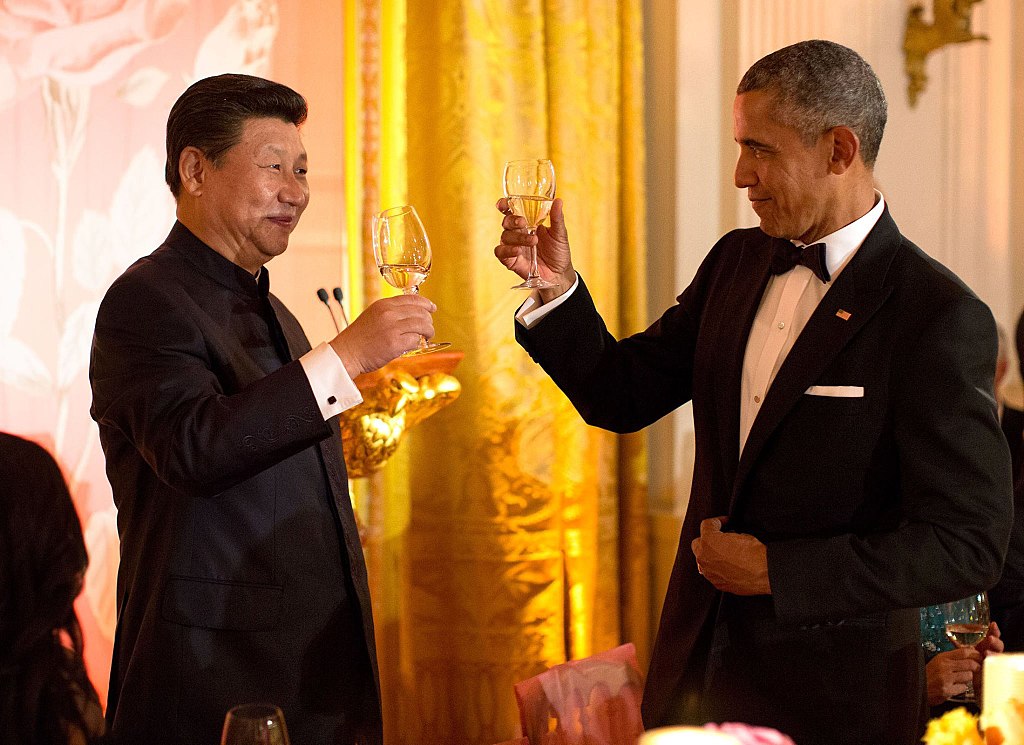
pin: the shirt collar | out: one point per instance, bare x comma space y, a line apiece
840, 245
218, 268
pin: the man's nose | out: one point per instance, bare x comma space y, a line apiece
744, 176
295, 192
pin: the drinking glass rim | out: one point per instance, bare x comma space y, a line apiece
402, 209
256, 708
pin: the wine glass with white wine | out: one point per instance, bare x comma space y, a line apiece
967, 623
530, 190
402, 251
254, 724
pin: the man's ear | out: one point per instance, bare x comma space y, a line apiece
845, 149
192, 165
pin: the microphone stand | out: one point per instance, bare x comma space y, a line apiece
339, 296
322, 294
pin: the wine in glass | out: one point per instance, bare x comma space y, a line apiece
402, 252
254, 724
530, 189
967, 623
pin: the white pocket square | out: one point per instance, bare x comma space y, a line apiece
837, 391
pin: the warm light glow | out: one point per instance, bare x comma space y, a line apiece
394, 161
1003, 695
685, 736
353, 93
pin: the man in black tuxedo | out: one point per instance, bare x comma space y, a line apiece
242, 577
1007, 597
849, 465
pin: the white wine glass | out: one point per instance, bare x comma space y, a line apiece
530, 189
967, 623
254, 724
402, 251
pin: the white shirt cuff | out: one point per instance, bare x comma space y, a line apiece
333, 387
533, 310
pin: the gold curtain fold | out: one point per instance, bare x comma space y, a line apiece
507, 536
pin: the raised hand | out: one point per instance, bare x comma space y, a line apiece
385, 330
553, 257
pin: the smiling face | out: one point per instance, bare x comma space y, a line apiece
248, 205
787, 181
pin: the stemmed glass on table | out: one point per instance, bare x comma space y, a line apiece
530, 190
967, 623
402, 251
254, 724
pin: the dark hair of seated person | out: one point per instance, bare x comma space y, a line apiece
45, 695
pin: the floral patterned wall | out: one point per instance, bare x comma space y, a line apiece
85, 87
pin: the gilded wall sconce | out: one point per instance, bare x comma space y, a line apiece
951, 24
395, 398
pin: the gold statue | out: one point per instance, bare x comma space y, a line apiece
951, 25
402, 393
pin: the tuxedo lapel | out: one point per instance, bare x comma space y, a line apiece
854, 298
745, 290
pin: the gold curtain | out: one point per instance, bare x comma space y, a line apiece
506, 536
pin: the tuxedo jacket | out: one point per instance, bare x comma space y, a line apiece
242, 578
1007, 597
870, 506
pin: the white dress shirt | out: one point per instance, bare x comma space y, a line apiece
333, 387
787, 303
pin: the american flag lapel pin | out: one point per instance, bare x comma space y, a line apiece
844, 314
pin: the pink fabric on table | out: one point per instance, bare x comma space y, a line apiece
748, 735
592, 701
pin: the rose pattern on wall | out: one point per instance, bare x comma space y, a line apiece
77, 42
84, 77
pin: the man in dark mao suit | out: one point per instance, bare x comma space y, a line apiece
242, 578
849, 464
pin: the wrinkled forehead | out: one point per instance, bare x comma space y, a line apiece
271, 133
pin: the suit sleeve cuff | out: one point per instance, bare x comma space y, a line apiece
533, 311
333, 387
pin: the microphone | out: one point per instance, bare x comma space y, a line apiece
322, 294
339, 296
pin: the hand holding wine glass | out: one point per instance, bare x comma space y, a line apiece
549, 246
530, 190
254, 724
967, 623
402, 251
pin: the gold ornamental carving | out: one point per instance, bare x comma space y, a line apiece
395, 398
951, 24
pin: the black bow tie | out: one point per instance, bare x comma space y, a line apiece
785, 256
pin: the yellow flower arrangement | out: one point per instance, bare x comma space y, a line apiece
956, 727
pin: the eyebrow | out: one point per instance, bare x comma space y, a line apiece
279, 151
749, 142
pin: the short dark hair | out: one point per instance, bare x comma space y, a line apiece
212, 112
819, 85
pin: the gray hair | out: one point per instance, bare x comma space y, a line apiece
819, 85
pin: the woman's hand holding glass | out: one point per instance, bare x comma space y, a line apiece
968, 625
950, 673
